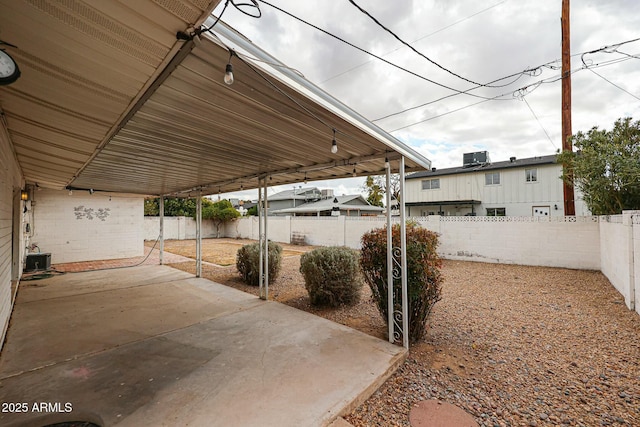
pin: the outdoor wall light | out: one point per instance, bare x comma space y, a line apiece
24, 195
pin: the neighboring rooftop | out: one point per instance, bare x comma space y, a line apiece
511, 163
349, 202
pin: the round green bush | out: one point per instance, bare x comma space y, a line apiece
331, 276
248, 262
424, 281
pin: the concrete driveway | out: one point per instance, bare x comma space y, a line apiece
151, 345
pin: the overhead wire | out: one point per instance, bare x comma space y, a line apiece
415, 41
413, 73
422, 55
539, 122
534, 71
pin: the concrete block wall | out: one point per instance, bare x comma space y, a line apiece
635, 220
520, 240
85, 227
620, 254
516, 241
178, 228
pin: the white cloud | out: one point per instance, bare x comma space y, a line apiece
508, 38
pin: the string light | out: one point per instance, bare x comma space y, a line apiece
334, 144
228, 72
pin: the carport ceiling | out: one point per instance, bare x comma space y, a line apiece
176, 131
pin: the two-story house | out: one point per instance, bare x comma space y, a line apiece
516, 187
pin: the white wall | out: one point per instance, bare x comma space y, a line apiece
509, 240
85, 227
11, 217
178, 228
620, 254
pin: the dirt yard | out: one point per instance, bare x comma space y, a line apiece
512, 345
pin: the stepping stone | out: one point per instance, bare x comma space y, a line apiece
435, 413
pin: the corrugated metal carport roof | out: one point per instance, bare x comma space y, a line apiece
102, 128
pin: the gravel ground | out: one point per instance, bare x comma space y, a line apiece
512, 345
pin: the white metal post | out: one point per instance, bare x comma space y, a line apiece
390, 305
199, 235
403, 248
161, 230
260, 237
266, 242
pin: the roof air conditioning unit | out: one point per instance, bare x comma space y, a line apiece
475, 159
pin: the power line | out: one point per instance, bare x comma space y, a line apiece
609, 81
531, 72
466, 92
539, 122
417, 52
415, 41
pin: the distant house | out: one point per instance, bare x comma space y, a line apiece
353, 205
516, 187
296, 197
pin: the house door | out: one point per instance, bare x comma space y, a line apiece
541, 211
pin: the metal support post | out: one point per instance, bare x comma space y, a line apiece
266, 242
403, 248
260, 237
390, 305
161, 237
199, 235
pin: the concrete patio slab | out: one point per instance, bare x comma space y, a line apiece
178, 350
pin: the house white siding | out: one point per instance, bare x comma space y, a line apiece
86, 227
12, 234
518, 197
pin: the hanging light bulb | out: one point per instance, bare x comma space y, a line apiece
354, 172
386, 163
228, 72
334, 144
305, 178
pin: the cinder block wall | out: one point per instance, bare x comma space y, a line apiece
86, 227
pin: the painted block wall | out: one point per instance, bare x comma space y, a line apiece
486, 239
86, 227
11, 182
178, 228
614, 254
635, 220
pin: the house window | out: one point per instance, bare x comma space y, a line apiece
496, 212
492, 178
531, 175
431, 184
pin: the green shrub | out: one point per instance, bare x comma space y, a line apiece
248, 262
331, 276
424, 281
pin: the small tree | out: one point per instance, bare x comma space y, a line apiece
606, 167
424, 281
220, 212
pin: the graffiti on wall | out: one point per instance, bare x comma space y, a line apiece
82, 212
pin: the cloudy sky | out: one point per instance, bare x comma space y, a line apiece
478, 41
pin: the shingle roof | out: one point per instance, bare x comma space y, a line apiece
328, 204
517, 163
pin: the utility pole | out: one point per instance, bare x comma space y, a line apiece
569, 203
